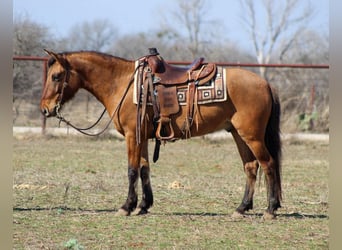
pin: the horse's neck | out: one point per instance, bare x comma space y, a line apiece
104, 77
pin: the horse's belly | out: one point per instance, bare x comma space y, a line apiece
207, 119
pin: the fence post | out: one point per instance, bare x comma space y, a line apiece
44, 80
312, 99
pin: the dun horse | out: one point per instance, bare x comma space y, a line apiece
250, 112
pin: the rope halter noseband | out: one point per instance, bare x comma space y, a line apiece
60, 97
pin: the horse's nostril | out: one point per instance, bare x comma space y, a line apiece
45, 112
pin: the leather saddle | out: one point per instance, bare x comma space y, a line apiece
167, 74
160, 81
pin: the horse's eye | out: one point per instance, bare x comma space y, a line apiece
57, 77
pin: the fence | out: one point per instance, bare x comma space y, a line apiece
303, 91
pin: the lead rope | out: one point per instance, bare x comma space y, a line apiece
81, 130
61, 118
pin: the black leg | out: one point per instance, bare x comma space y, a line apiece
147, 197
247, 201
132, 198
272, 191
250, 168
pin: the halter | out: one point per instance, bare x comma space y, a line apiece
60, 97
82, 130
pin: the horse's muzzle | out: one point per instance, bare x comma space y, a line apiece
47, 113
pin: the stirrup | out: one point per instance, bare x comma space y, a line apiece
161, 122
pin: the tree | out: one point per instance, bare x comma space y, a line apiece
97, 35
29, 39
271, 22
136, 45
311, 48
188, 25
305, 92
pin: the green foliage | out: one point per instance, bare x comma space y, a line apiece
306, 121
72, 244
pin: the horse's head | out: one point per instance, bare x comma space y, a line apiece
61, 84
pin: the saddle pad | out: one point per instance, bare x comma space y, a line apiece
213, 91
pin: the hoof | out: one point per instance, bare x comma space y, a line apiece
237, 215
139, 211
268, 216
122, 212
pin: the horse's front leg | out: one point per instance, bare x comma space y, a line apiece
147, 195
134, 154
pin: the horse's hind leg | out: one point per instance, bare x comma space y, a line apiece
251, 168
147, 195
269, 168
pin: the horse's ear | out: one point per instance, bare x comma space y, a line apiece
47, 51
50, 53
58, 58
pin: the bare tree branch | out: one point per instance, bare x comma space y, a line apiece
97, 35
190, 17
281, 19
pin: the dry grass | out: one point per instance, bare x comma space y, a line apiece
70, 187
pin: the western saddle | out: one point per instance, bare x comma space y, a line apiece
158, 82
167, 74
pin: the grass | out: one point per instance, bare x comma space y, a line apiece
67, 190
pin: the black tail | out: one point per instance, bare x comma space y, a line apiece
272, 138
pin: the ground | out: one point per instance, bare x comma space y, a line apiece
67, 189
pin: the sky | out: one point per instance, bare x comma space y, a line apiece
130, 16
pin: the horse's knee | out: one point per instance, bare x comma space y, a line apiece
144, 162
